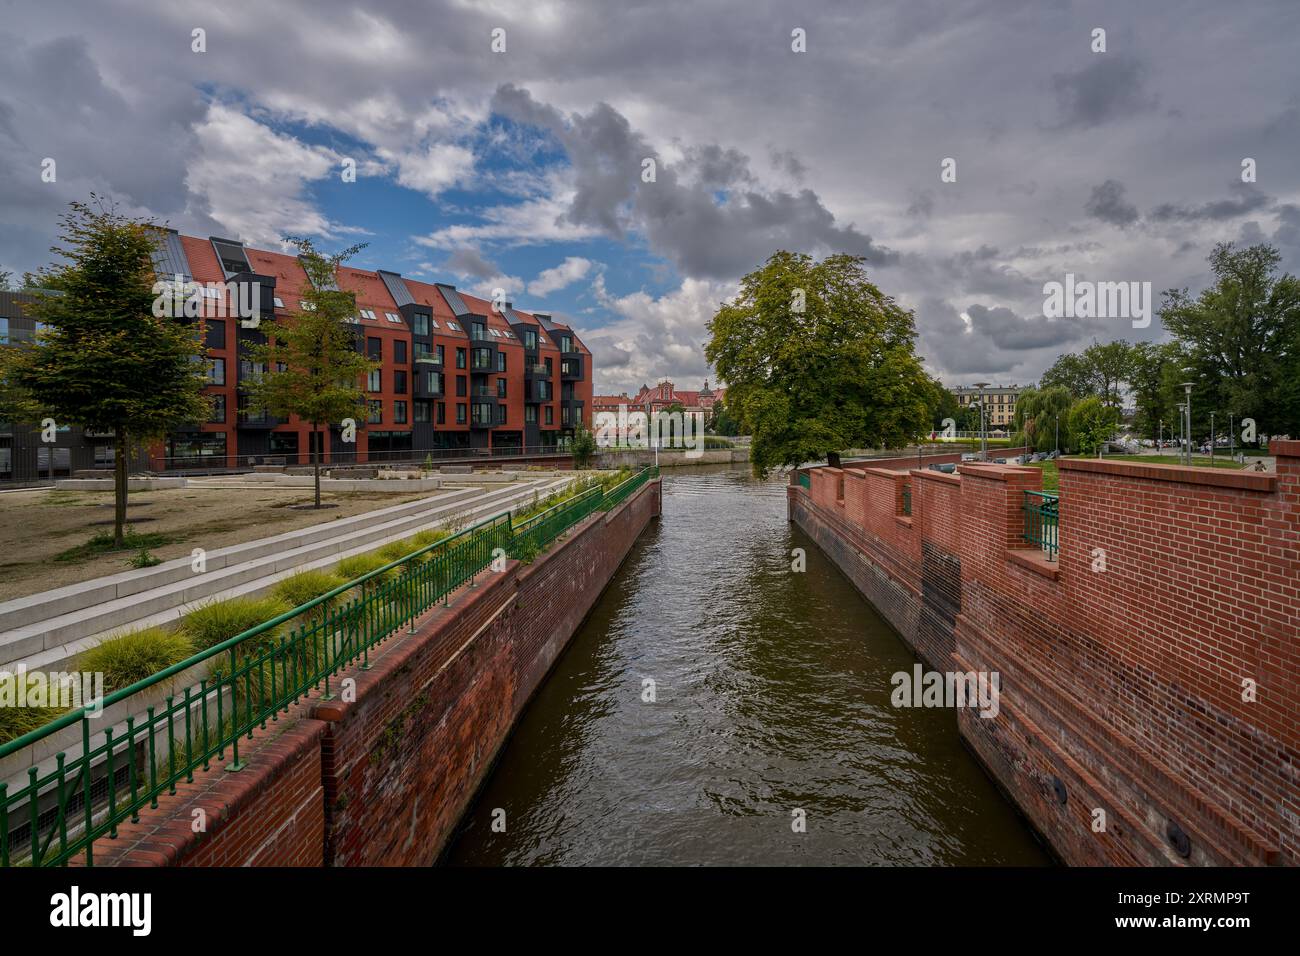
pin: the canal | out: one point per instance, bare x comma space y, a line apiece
770, 695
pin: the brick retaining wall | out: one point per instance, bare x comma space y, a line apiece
1122, 687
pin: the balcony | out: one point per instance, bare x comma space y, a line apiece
536, 370
570, 369
429, 358
257, 420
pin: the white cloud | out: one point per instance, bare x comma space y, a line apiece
558, 277
253, 180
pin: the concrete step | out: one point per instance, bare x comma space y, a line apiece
269, 559
49, 604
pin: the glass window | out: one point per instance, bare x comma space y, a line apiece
216, 371
218, 413
550, 414
372, 380
399, 413
461, 386
215, 337
460, 413
442, 413
460, 358
376, 409
375, 348
421, 323
399, 351
399, 382
423, 410
501, 361
501, 388
530, 414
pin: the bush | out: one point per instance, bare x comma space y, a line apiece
297, 589
126, 658
396, 550
16, 721
359, 564
216, 621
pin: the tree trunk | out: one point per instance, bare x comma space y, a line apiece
316, 458
119, 487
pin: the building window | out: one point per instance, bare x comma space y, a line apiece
566, 343
434, 383
550, 414
423, 410
399, 413
372, 380
565, 414
501, 414
549, 370
530, 414
399, 382
368, 314
481, 360
215, 334
421, 324
217, 371
461, 388
453, 326
217, 416
442, 355
501, 361
501, 388
460, 413
376, 416
375, 349
442, 413
399, 351
530, 340
422, 351
460, 358
393, 317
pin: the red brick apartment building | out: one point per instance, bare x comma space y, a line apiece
456, 375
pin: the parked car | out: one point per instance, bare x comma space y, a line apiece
968, 456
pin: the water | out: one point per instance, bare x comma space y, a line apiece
772, 694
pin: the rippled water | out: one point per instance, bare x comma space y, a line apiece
772, 694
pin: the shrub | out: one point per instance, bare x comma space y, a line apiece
396, 550
143, 559
126, 658
298, 589
216, 621
16, 721
359, 564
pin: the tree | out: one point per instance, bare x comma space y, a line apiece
1072, 373
5, 280
720, 420
1239, 338
1039, 412
1153, 368
105, 360
817, 359
312, 364
943, 405
1091, 423
1112, 366
584, 445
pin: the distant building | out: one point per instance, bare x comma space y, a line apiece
666, 394
999, 402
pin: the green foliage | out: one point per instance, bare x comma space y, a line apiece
943, 405
1091, 423
216, 621
126, 658
16, 721
1240, 340
297, 589
584, 446
105, 361
359, 564
1037, 414
314, 369
1073, 373
143, 559
720, 420
840, 373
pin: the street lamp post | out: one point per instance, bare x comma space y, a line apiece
1232, 440
1212, 439
984, 442
1182, 424
1058, 435
1160, 442
1187, 386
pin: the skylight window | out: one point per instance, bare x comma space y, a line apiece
369, 314
495, 333
434, 322
453, 326
392, 317
279, 304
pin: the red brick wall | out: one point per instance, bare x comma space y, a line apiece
381, 775
1121, 690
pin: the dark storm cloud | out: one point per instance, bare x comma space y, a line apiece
469, 262
1109, 88
1107, 203
1247, 199
680, 212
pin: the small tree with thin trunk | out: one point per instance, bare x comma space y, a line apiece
314, 368
104, 360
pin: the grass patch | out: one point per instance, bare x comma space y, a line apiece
298, 589
216, 621
102, 543
16, 721
358, 565
126, 658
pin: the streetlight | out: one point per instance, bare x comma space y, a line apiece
1160, 442
1058, 434
984, 442
1188, 387
1212, 439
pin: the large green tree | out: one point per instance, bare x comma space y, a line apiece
817, 359
105, 361
313, 366
720, 420
1043, 417
1091, 423
1239, 339
1154, 367
1072, 373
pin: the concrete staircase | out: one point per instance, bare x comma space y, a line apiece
48, 631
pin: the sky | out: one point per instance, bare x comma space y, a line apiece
524, 167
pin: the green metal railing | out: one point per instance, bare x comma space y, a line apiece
112, 774
907, 499
1042, 513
